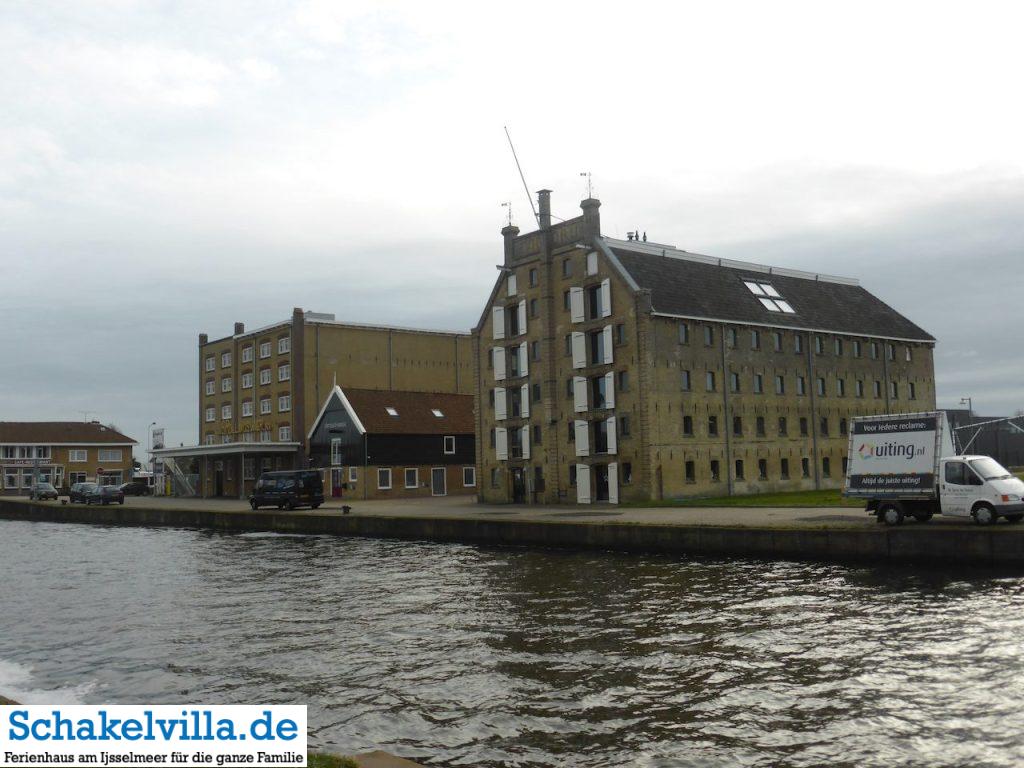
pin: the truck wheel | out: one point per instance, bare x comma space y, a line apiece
922, 517
891, 514
1014, 518
984, 515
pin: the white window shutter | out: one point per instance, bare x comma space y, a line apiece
582, 484
524, 401
609, 389
609, 357
579, 350
606, 297
524, 441
579, 393
612, 441
501, 443
522, 316
576, 304
613, 482
500, 405
592, 263
582, 429
498, 321
524, 360
499, 362
511, 284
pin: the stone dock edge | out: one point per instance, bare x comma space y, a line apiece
988, 546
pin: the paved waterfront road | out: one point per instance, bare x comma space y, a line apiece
465, 507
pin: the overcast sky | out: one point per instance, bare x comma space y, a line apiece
168, 168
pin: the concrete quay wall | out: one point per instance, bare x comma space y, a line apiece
963, 545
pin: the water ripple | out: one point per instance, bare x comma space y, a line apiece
469, 656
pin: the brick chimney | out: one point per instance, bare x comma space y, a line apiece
509, 232
591, 218
239, 329
544, 208
203, 339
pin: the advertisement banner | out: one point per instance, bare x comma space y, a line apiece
187, 735
158, 438
893, 455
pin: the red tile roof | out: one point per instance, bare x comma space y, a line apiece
57, 432
415, 412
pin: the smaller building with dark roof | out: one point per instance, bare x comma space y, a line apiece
62, 453
394, 444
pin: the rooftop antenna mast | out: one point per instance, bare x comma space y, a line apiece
85, 415
590, 186
508, 204
525, 187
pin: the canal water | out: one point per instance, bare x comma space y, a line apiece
514, 657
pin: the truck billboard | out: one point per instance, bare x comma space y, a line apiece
893, 455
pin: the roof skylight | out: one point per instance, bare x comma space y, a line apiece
770, 298
437, 413
391, 411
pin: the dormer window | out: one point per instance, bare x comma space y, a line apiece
770, 298
391, 411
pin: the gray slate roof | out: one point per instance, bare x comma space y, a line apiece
690, 287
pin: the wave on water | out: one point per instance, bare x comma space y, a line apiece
275, 535
18, 683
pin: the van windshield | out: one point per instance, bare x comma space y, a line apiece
990, 469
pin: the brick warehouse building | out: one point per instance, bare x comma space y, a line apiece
63, 453
612, 370
260, 390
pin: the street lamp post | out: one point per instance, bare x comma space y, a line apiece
970, 408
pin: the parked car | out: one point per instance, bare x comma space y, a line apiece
43, 491
136, 488
104, 494
288, 490
79, 491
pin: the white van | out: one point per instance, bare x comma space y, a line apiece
904, 465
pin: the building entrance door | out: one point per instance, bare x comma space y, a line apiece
438, 486
518, 486
218, 482
337, 480
600, 482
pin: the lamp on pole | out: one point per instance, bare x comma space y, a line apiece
970, 409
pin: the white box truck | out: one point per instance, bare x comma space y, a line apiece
905, 465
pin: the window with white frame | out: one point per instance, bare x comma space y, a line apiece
110, 455
210, 387
247, 408
225, 384
78, 455
210, 439
264, 435
265, 376
284, 344
449, 444
247, 354
225, 411
42, 451
284, 372
335, 451
353, 474
770, 298
412, 478
211, 414
284, 403
384, 479
247, 380
225, 439
210, 363
469, 477
284, 433
8, 452
264, 350
225, 360
247, 436
265, 406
